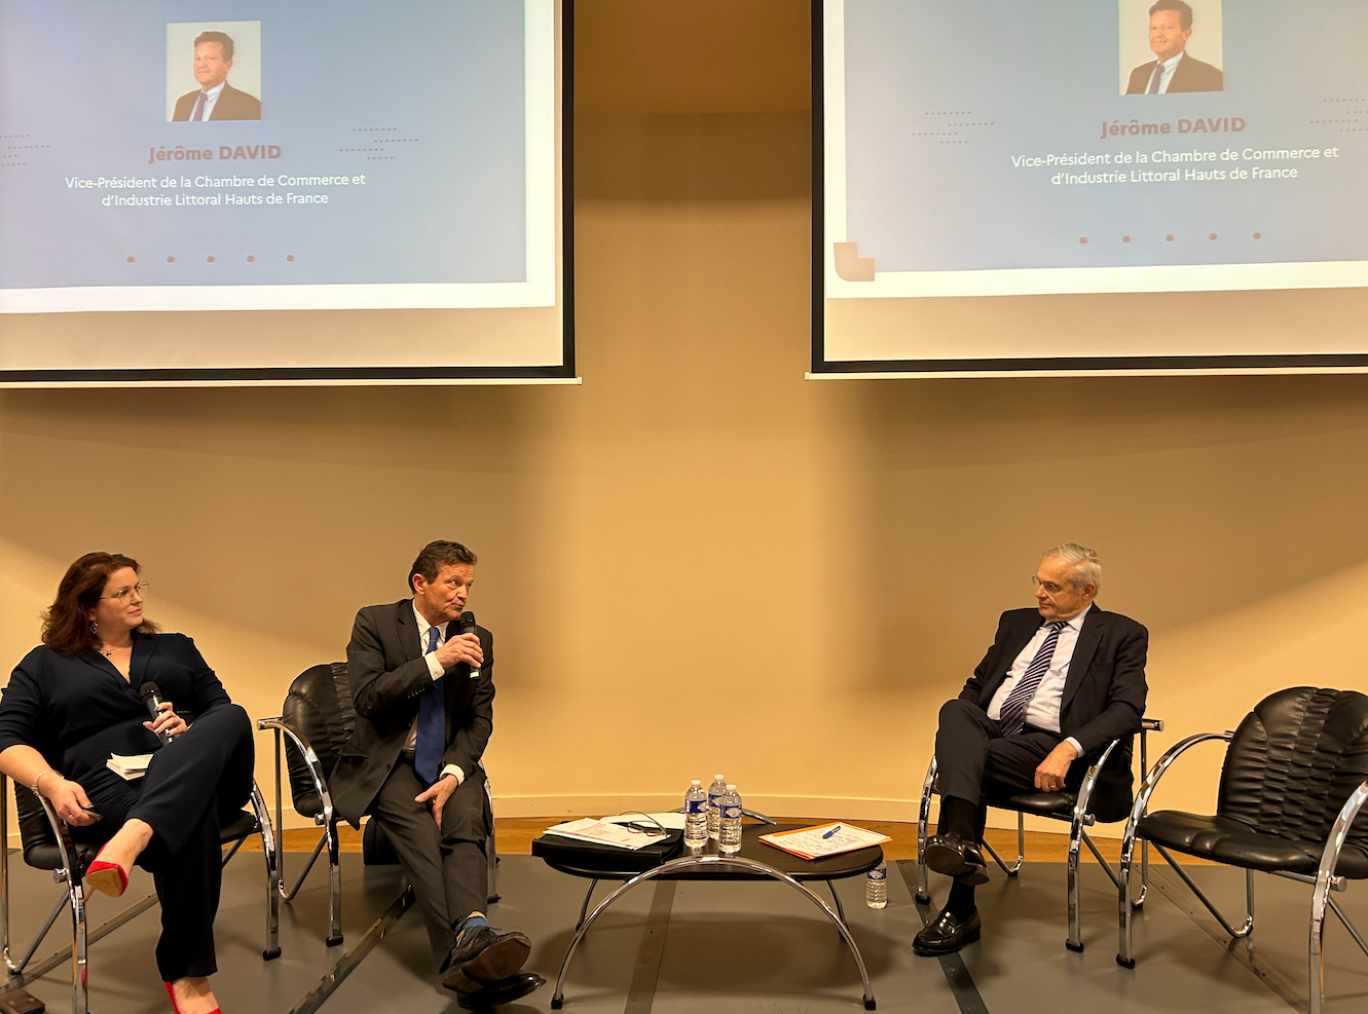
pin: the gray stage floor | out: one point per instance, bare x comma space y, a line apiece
753, 947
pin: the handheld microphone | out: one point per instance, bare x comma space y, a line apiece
466, 625
151, 695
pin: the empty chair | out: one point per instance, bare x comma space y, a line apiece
1290, 801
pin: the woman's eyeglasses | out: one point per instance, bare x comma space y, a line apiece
141, 588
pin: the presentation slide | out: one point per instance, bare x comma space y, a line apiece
178, 155
990, 149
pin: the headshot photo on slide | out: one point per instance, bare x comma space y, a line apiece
213, 71
1170, 46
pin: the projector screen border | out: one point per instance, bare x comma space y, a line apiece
1140, 372
1092, 366
553, 370
302, 377
1122, 365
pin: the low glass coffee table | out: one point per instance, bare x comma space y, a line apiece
755, 861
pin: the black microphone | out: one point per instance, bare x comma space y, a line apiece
466, 625
151, 695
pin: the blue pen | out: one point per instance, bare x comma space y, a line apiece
831, 832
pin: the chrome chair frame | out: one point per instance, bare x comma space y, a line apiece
74, 897
326, 818
1079, 820
491, 851
1324, 882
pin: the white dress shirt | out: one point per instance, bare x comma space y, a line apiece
1166, 75
435, 668
210, 97
1042, 712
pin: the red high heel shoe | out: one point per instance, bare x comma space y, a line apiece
107, 878
175, 1006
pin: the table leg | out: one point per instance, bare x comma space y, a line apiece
686, 862
840, 909
585, 907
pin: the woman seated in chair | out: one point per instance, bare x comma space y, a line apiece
74, 700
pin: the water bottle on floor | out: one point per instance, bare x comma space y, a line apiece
695, 815
729, 822
876, 887
716, 791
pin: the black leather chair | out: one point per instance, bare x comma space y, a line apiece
47, 845
1290, 802
316, 720
1075, 808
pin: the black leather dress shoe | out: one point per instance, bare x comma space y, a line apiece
953, 856
486, 956
474, 995
945, 934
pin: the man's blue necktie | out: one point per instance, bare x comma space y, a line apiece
1012, 717
1155, 79
198, 114
431, 724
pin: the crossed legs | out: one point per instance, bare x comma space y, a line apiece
446, 867
972, 755
168, 823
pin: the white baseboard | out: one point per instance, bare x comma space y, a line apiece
813, 807
787, 806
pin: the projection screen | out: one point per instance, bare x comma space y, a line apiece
304, 192
1089, 186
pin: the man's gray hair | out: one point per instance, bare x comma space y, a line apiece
1087, 568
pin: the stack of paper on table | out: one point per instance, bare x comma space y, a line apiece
129, 767
601, 832
824, 840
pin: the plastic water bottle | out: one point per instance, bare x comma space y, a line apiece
716, 791
876, 886
729, 822
695, 815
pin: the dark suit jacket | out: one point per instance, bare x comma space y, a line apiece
231, 105
1189, 76
388, 673
78, 709
1104, 694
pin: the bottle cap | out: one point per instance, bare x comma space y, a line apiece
697, 781
731, 788
720, 778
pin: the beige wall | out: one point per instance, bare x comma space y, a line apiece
697, 522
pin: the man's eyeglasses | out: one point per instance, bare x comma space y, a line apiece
141, 588
1049, 586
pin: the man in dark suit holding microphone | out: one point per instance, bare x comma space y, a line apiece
1061, 681
422, 682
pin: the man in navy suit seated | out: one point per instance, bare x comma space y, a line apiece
422, 680
1061, 681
